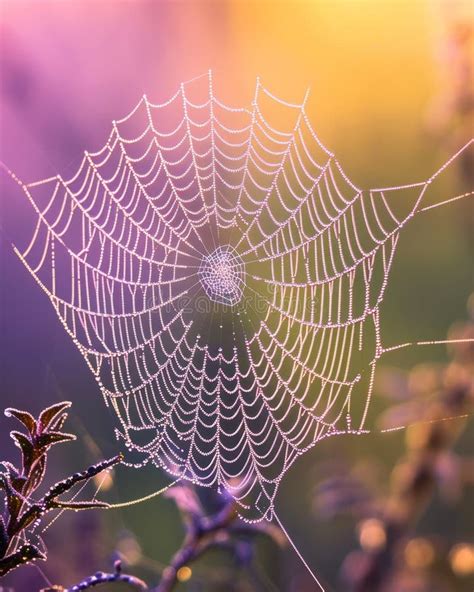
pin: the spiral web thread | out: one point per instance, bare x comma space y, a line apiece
223, 393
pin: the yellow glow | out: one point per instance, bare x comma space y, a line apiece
104, 481
419, 553
129, 550
372, 535
184, 574
462, 559
416, 436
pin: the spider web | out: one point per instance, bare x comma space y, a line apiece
222, 278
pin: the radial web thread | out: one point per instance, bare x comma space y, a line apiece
222, 278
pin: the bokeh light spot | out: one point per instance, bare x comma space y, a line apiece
184, 574
419, 553
372, 535
462, 559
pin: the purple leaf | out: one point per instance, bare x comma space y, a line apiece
36, 475
57, 424
14, 499
50, 413
47, 439
24, 417
26, 447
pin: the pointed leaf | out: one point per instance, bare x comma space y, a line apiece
12, 470
18, 483
14, 498
49, 438
57, 424
24, 417
36, 475
31, 552
17, 480
32, 514
50, 413
25, 554
26, 447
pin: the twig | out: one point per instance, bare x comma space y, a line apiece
103, 578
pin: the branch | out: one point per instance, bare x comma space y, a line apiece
225, 530
103, 578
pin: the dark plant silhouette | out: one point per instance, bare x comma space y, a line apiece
22, 512
223, 529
